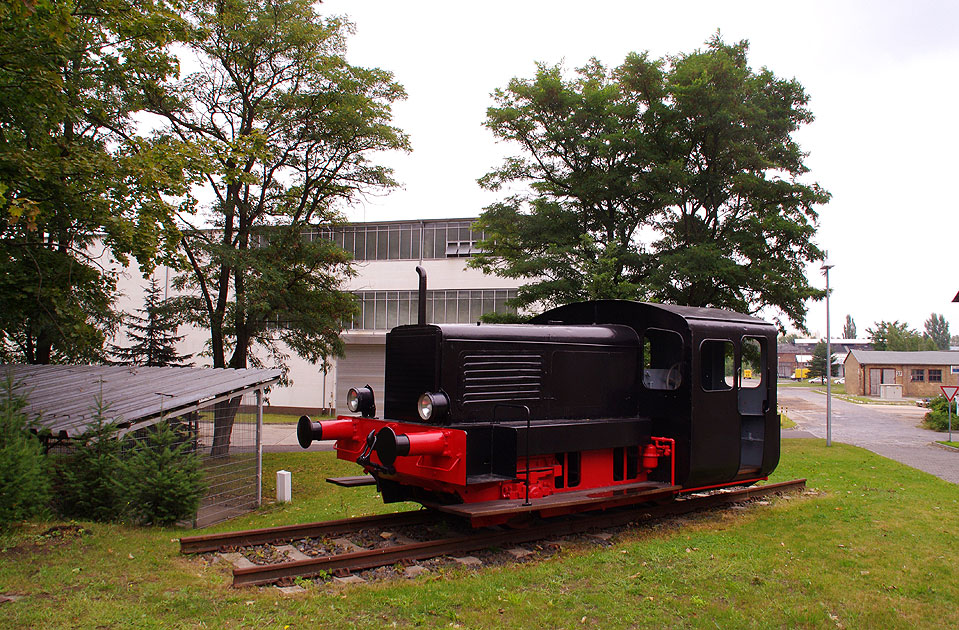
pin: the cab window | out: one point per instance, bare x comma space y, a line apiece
751, 374
718, 365
662, 359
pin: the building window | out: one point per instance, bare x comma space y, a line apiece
382, 310
403, 241
935, 376
918, 376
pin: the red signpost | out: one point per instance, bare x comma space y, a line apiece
949, 391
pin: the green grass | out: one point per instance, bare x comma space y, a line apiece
785, 422
872, 548
947, 443
285, 418
273, 418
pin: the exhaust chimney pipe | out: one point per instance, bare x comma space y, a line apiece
421, 317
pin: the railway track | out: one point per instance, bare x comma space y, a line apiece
405, 550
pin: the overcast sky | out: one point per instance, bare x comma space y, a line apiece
882, 77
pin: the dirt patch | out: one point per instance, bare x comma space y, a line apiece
56, 537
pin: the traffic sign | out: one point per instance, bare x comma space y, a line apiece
949, 391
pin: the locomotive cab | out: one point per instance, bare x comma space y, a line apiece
708, 383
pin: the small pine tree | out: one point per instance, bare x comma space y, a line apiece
24, 478
89, 479
817, 366
164, 482
153, 335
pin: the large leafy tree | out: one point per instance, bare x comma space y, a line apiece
285, 129
937, 329
77, 184
672, 180
897, 336
590, 152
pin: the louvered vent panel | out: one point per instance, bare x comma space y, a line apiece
502, 377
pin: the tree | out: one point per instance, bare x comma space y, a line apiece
24, 474
164, 477
739, 231
692, 154
591, 159
153, 334
849, 330
817, 365
897, 336
77, 184
879, 335
937, 329
285, 128
89, 480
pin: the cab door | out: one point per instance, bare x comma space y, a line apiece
753, 401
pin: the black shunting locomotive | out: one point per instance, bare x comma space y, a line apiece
588, 406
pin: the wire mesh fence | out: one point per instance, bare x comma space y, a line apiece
226, 442
223, 436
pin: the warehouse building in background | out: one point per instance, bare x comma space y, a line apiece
385, 258
890, 374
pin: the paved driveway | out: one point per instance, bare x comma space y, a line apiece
889, 430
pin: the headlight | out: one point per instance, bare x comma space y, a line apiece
361, 400
432, 406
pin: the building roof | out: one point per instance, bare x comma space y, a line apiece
63, 398
812, 341
887, 357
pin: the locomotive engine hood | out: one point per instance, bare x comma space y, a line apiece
488, 371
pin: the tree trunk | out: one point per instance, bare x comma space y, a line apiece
224, 413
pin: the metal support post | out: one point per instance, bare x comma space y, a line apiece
826, 267
259, 447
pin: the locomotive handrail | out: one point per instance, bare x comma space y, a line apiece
528, 431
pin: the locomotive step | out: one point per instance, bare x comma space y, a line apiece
593, 497
352, 482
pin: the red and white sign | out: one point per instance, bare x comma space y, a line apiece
949, 391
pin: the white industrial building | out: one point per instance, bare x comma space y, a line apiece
386, 255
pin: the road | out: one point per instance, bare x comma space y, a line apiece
892, 431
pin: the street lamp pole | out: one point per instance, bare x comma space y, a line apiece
825, 268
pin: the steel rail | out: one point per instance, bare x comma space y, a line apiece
216, 542
372, 558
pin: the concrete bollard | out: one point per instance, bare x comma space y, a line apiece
284, 486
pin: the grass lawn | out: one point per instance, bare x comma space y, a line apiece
785, 422
873, 547
285, 418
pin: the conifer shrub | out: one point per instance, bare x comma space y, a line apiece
24, 477
89, 483
163, 478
